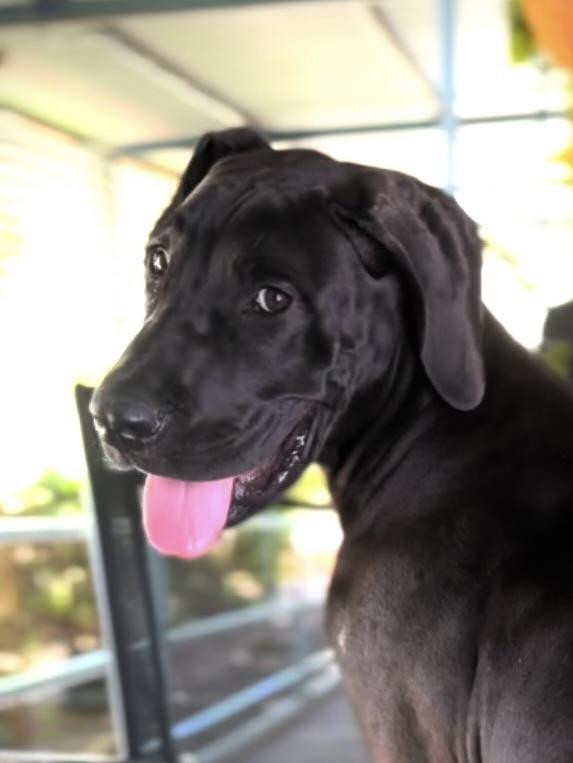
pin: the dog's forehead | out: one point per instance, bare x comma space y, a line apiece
264, 219
277, 229
260, 214
269, 235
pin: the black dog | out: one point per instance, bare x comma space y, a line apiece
303, 309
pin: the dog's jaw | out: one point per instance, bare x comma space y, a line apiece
260, 486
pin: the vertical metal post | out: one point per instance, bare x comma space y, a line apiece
448, 121
133, 616
112, 678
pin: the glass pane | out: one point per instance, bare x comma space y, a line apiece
53, 667
245, 624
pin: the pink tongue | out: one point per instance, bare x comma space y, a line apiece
185, 518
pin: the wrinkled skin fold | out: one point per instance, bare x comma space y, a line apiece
301, 309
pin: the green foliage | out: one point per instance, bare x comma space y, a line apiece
558, 354
54, 601
522, 42
257, 554
242, 570
53, 495
48, 599
311, 489
524, 48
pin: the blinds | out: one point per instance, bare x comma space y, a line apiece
55, 233
72, 232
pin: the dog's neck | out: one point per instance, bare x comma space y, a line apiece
396, 435
377, 430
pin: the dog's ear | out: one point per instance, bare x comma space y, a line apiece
213, 147
392, 219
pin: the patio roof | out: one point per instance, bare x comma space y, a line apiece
140, 76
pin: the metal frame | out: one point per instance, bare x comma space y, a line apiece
448, 121
138, 149
249, 698
42, 530
52, 11
32, 686
312, 677
75, 671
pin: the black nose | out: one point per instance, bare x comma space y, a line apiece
129, 419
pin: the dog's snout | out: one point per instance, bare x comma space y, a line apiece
130, 419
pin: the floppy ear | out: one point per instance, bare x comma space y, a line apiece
212, 147
435, 246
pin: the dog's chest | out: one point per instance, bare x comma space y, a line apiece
401, 654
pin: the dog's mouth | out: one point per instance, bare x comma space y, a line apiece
185, 519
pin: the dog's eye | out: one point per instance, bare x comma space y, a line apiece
271, 300
158, 261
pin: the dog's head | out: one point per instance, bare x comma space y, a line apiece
278, 284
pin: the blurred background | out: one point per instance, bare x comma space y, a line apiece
101, 103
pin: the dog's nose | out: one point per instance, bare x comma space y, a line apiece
136, 421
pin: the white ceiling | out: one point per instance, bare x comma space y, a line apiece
285, 67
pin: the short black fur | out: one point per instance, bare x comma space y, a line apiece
449, 448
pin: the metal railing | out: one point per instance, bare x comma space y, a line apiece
313, 676
16, 530
33, 685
